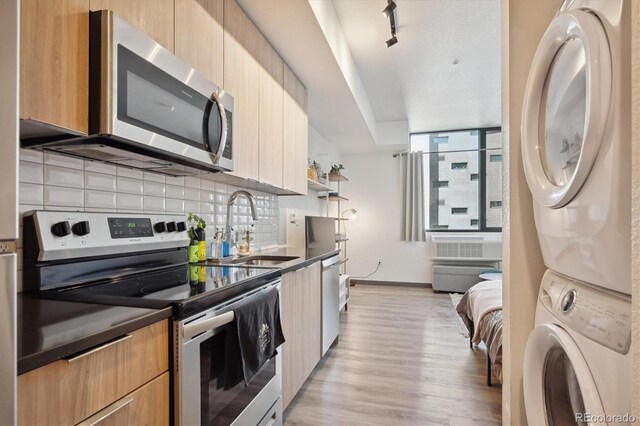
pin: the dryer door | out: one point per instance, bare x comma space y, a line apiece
558, 386
565, 108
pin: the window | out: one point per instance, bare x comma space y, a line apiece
463, 168
459, 166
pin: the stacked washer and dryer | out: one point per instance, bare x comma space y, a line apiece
576, 146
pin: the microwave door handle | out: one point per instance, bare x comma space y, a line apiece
198, 327
223, 133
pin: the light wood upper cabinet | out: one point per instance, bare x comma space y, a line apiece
54, 63
271, 115
153, 17
296, 134
70, 390
242, 81
199, 34
302, 327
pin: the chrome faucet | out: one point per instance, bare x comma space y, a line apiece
232, 199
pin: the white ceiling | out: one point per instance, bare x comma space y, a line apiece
413, 81
416, 79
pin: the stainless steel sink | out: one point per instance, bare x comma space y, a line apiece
260, 260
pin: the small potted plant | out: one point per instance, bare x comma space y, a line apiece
198, 245
336, 169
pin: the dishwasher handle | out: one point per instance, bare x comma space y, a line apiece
332, 261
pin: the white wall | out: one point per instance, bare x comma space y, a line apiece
375, 190
323, 152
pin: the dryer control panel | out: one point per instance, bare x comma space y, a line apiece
600, 315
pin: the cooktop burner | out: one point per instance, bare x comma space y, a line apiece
187, 287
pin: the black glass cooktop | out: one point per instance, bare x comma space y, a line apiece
189, 288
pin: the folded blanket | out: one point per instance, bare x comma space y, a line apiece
484, 297
252, 338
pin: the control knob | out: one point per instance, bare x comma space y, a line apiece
160, 227
81, 228
61, 229
182, 226
171, 226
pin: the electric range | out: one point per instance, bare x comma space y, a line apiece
141, 261
126, 260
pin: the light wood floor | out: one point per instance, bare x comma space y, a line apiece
401, 360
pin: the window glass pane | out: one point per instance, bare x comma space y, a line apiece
493, 209
449, 178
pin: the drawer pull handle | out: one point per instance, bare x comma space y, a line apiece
109, 411
99, 348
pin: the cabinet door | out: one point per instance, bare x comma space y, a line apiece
301, 325
70, 390
148, 405
271, 113
153, 17
199, 34
312, 319
295, 138
54, 63
242, 81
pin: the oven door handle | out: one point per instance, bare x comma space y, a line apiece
198, 327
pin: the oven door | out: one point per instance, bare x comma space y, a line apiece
152, 98
199, 363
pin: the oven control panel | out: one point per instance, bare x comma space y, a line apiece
66, 235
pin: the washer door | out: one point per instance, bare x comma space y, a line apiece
557, 381
565, 108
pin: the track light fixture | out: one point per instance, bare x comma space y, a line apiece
390, 12
393, 40
391, 6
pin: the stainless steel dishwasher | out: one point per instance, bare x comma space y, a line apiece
330, 301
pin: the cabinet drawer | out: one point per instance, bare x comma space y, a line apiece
70, 390
148, 405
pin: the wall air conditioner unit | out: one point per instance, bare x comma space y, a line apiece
465, 248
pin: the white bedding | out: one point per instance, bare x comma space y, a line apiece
484, 297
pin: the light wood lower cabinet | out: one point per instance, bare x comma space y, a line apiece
148, 405
302, 327
70, 390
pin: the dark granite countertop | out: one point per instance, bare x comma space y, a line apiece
49, 330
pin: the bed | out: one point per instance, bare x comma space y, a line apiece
481, 311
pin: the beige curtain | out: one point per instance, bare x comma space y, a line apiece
413, 198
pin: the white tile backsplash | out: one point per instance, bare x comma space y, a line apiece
54, 182
61, 196
154, 188
62, 161
99, 181
31, 193
99, 199
31, 172
63, 176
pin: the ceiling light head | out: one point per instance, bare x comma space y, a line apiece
389, 9
393, 40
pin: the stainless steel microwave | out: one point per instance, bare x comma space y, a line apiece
147, 108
